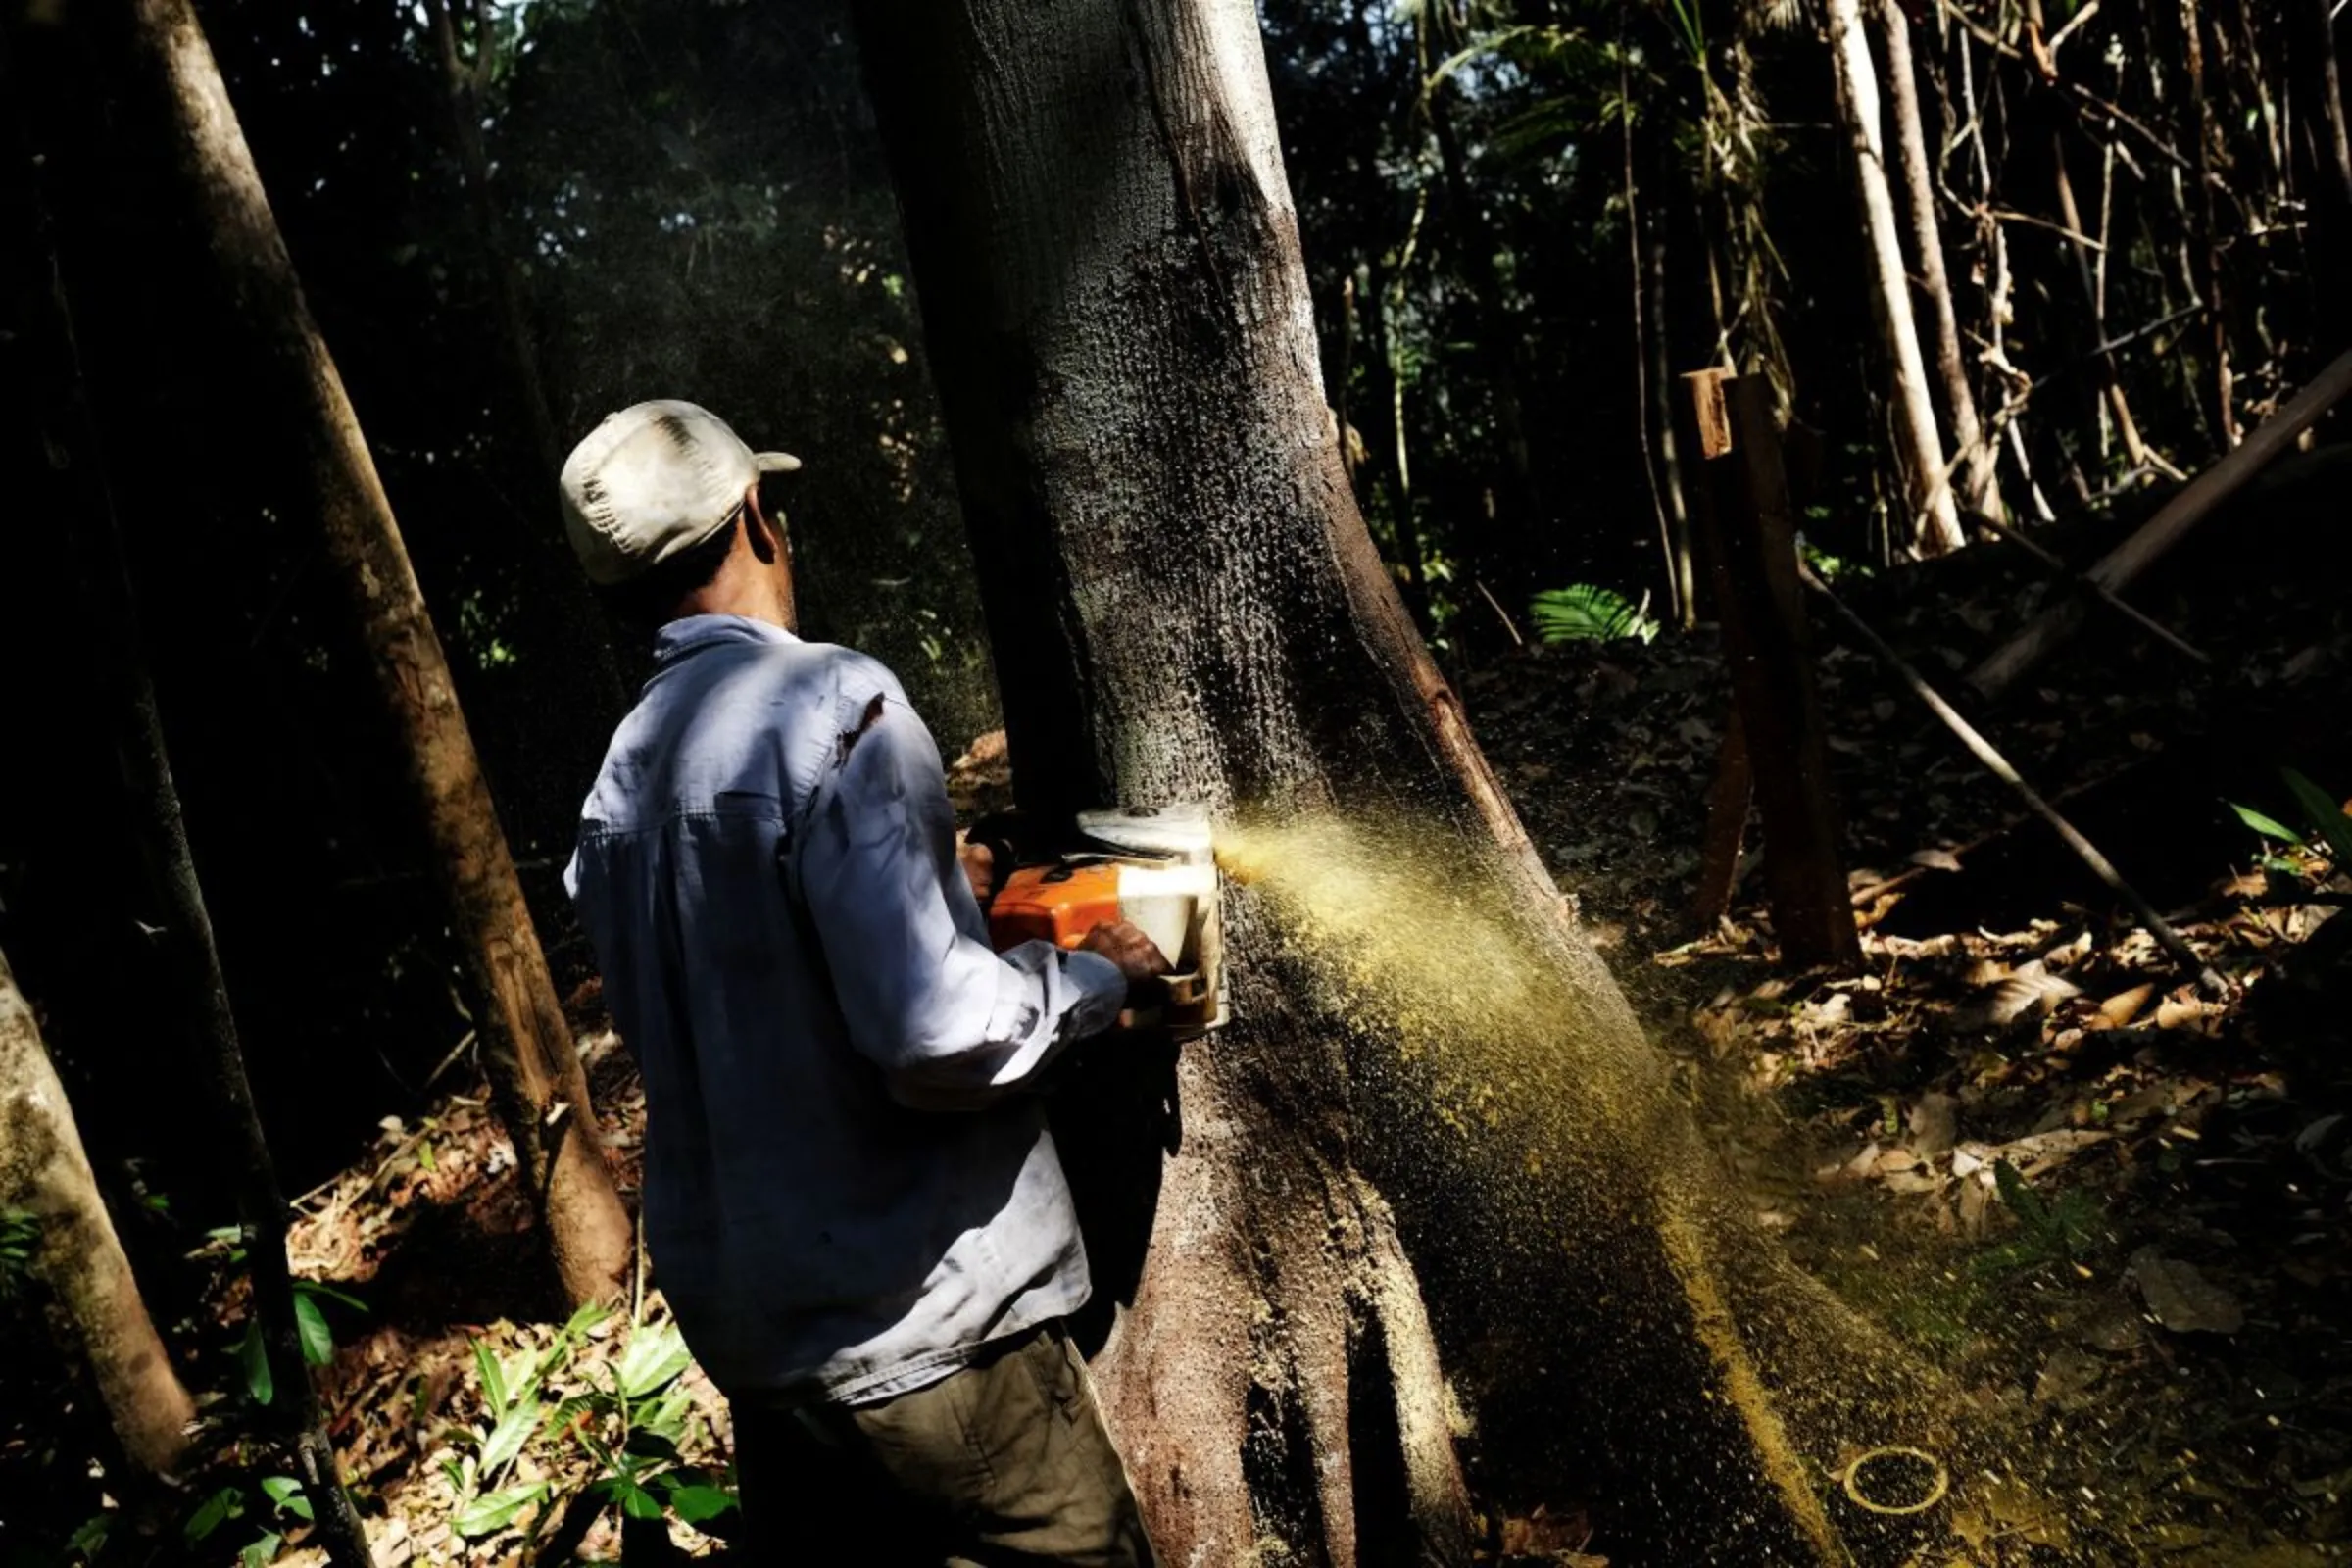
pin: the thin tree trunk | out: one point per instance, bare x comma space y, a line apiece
1104, 241
182, 922
1933, 527
291, 384
2319, 98
2209, 253
1653, 411
2336, 138
44, 1174
1998, 282
2111, 386
1979, 491
203, 1001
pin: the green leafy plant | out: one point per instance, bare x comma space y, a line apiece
317, 1338
89, 1541
2325, 815
635, 1427
630, 1419
2050, 1230
2330, 828
1826, 566
20, 1237
513, 1414
1587, 612
280, 1498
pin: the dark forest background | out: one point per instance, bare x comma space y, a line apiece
1520, 220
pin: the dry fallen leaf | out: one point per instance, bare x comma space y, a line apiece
2031, 989
2182, 1299
2124, 1006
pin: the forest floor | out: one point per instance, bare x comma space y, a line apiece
2116, 1212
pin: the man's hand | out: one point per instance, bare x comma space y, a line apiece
979, 864
1124, 943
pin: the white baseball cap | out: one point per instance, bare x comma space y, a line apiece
655, 479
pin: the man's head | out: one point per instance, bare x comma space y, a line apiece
663, 504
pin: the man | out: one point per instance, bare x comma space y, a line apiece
857, 1213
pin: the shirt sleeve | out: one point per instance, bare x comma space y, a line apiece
953, 1023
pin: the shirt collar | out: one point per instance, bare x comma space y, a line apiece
680, 639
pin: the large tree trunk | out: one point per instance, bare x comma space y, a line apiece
289, 386
1184, 604
1976, 455
1933, 525
44, 1173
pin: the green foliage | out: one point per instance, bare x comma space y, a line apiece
2049, 1231
252, 1359
634, 1430
2325, 815
1585, 612
2268, 827
630, 1421
20, 1237
89, 1541
286, 1495
212, 1513
318, 1340
1826, 566
492, 1511
2330, 825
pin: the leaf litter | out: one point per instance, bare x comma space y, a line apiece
2116, 1212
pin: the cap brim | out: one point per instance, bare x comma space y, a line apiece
776, 462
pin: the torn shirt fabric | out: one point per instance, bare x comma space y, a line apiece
846, 1191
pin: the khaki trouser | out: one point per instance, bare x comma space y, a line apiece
1003, 1463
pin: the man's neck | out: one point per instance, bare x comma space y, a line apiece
759, 598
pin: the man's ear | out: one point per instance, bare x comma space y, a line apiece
764, 534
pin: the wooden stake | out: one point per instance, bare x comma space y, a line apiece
1744, 509
1727, 827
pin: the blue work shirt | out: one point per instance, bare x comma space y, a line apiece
846, 1191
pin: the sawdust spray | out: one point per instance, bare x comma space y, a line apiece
1471, 1031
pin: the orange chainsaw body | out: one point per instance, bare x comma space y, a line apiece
1057, 904
1153, 867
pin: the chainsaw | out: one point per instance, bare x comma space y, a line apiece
1152, 866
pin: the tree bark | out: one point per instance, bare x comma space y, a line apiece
1184, 604
290, 384
44, 1173
2335, 137
1935, 525
2209, 233
1978, 490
